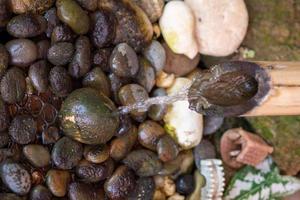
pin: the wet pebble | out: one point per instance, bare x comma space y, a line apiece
157, 112
66, 153
185, 184
4, 59
26, 25
212, 124
5, 13
30, 6
133, 25
62, 33
103, 28
156, 55
38, 74
58, 181
91, 172
37, 155
164, 80
188, 134
40, 192
96, 153
101, 58
15, 177
83, 191
42, 49
204, 150
97, 79
22, 52
10, 196
73, 15
90, 5
181, 38
144, 189
60, 81
60, 53
81, 62
124, 61
23, 129
4, 120
149, 134
146, 75
50, 135
122, 145
143, 162
126, 125
153, 8
4, 139
133, 93
167, 149
116, 84
13, 85
179, 64
93, 123
168, 186
52, 21
120, 184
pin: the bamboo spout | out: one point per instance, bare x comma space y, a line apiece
284, 95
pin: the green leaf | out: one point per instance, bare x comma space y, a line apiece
262, 182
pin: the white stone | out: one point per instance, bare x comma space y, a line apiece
177, 25
183, 124
221, 25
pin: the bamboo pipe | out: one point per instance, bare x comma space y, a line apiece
284, 95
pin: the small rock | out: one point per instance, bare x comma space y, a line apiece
96, 153
188, 134
58, 181
91, 172
60, 53
15, 177
152, 8
62, 33
156, 55
149, 133
50, 135
157, 112
72, 14
4, 56
167, 149
38, 155
144, 189
4, 139
212, 124
159, 195
22, 52
66, 153
179, 64
143, 162
146, 75
169, 187
38, 74
60, 81
82, 191
177, 25
124, 61
204, 150
164, 80
120, 184
220, 26
122, 145
40, 192
90, 5
185, 184
30, 6
23, 129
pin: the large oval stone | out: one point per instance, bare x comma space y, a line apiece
86, 116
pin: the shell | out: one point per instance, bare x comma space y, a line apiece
177, 25
213, 172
